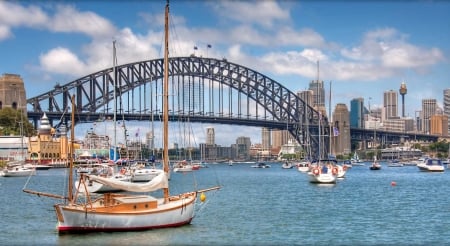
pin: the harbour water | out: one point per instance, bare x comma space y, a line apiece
271, 206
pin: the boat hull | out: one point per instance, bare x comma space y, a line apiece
139, 213
18, 173
323, 178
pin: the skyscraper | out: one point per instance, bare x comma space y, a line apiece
210, 136
428, 109
390, 104
265, 138
357, 112
447, 105
318, 93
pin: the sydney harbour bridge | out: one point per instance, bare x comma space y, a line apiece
204, 90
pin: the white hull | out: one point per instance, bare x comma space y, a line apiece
342, 170
144, 175
431, 168
174, 213
323, 178
182, 169
18, 172
303, 167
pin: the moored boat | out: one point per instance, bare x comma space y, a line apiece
323, 171
431, 165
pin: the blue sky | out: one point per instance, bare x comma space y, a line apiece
364, 47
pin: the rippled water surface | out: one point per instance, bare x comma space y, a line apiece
271, 206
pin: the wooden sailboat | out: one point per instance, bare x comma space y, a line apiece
128, 212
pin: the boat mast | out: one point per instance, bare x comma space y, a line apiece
166, 98
330, 122
72, 140
115, 101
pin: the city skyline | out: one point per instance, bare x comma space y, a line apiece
364, 48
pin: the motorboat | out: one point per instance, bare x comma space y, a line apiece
303, 166
347, 163
431, 165
287, 165
395, 163
323, 172
375, 164
261, 165
18, 171
342, 170
183, 166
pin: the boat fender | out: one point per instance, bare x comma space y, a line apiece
344, 167
316, 171
335, 170
123, 171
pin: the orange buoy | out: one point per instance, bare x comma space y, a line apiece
202, 197
393, 183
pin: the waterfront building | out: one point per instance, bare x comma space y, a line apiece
47, 147
340, 142
242, 148
400, 153
429, 107
13, 148
357, 112
390, 106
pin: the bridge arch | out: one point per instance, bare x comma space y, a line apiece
205, 89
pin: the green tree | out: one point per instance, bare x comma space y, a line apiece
11, 120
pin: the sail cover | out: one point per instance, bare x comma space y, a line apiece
158, 182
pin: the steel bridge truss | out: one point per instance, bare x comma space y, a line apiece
202, 89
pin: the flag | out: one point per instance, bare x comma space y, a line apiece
195, 48
335, 131
209, 46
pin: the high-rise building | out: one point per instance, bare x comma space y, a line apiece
447, 105
439, 125
340, 142
306, 96
390, 104
265, 138
210, 136
318, 93
357, 112
428, 109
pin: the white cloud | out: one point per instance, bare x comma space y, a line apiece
14, 15
5, 32
61, 60
68, 19
261, 13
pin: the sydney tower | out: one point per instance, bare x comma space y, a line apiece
403, 91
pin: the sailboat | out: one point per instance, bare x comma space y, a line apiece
323, 171
122, 211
